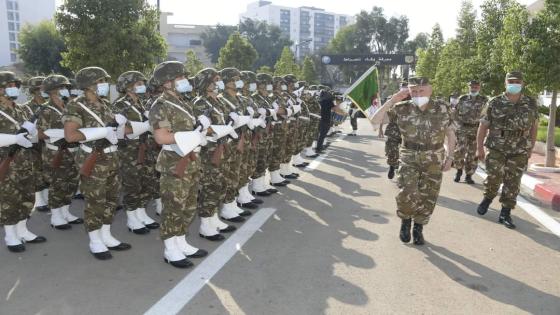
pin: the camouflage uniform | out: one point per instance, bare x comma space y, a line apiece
179, 194
509, 144
264, 147
281, 147
63, 180
393, 141
467, 115
250, 155
421, 157
315, 114
102, 187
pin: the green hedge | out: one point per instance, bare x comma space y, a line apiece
541, 135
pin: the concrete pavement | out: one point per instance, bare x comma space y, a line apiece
329, 247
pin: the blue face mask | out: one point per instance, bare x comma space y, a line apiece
513, 88
102, 89
140, 89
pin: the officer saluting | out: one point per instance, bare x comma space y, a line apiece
509, 124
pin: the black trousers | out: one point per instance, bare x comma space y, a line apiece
354, 123
324, 127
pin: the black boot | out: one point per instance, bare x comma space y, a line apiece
505, 218
417, 236
469, 180
404, 235
483, 206
391, 173
458, 175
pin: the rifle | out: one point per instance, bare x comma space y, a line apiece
241, 144
181, 166
14, 148
91, 160
143, 145
57, 160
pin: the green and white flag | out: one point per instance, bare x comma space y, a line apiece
365, 92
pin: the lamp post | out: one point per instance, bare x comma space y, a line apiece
302, 43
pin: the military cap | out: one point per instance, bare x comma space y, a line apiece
514, 75
455, 94
55, 81
168, 71
228, 74
474, 82
278, 80
248, 76
34, 83
313, 87
87, 77
127, 78
203, 79
414, 81
302, 83
264, 78
290, 78
7, 77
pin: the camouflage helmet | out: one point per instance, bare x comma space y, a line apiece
87, 77
302, 84
313, 87
168, 71
277, 80
55, 81
264, 78
34, 83
127, 78
203, 79
290, 78
248, 77
228, 74
8, 77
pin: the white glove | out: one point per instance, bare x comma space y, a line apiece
121, 132
204, 121
112, 135
262, 112
250, 123
251, 111
54, 135
92, 134
297, 108
273, 113
30, 127
147, 114
235, 117
275, 105
120, 119
138, 128
289, 112
22, 140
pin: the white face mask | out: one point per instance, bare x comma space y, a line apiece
64, 93
454, 101
182, 86
252, 87
239, 84
44, 95
296, 85
269, 87
140, 89
75, 92
420, 100
103, 89
220, 85
12, 92
284, 87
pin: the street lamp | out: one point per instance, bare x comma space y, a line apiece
302, 43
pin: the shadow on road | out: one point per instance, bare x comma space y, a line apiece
491, 283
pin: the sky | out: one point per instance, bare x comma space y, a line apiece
422, 14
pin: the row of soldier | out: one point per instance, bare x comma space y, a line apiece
500, 131
187, 145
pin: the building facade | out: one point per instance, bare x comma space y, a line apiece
183, 37
13, 15
309, 28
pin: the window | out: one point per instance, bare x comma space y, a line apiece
11, 26
17, 17
13, 57
17, 26
16, 6
10, 16
13, 46
195, 42
10, 5
12, 36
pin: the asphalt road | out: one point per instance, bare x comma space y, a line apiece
328, 244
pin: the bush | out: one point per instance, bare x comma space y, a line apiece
541, 134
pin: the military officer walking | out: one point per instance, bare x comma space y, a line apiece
467, 115
509, 124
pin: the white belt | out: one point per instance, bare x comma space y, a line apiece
169, 147
304, 118
109, 149
55, 148
274, 123
292, 119
315, 115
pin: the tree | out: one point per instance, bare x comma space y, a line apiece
513, 40
428, 59
238, 53
214, 38
267, 39
265, 69
286, 63
308, 72
420, 41
40, 49
193, 64
489, 64
543, 53
115, 35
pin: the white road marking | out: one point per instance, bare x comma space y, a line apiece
174, 301
542, 217
313, 165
